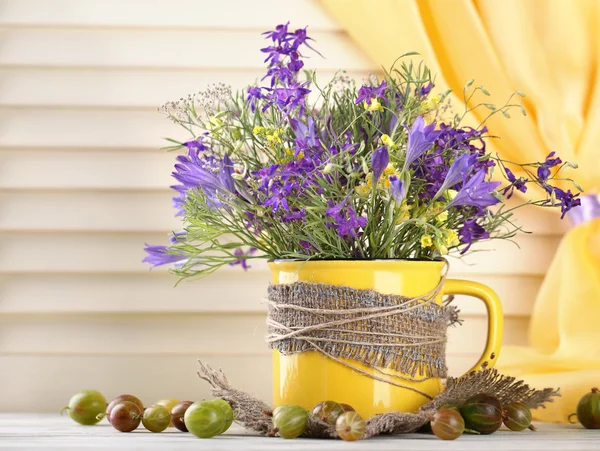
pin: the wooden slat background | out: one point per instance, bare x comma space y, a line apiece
83, 186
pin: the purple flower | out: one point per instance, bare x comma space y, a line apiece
458, 172
543, 171
285, 62
292, 96
520, 184
470, 232
476, 192
306, 246
196, 144
420, 139
178, 237
254, 95
344, 220
397, 189
426, 89
296, 215
379, 161
566, 199
159, 255
305, 134
213, 176
242, 261
368, 93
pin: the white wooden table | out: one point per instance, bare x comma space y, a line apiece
52, 432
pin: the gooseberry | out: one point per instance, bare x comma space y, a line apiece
125, 416
120, 399
290, 421
482, 413
204, 419
517, 416
588, 410
227, 411
328, 411
447, 424
169, 403
86, 407
177, 414
350, 426
156, 418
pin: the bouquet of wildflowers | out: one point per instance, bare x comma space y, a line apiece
298, 170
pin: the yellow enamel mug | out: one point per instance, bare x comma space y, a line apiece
307, 378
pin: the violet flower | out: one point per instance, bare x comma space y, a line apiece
470, 232
543, 171
178, 237
458, 172
159, 255
344, 220
379, 161
242, 261
397, 189
520, 184
476, 192
566, 199
214, 177
368, 93
420, 139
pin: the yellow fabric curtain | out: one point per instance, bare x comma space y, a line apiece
548, 49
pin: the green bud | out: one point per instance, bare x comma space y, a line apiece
577, 185
572, 164
328, 168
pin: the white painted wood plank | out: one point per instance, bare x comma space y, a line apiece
236, 291
58, 128
154, 292
84, 170
50, 431
121, 252
120, 88
225, 14
139, 334
187, 334
74, 210
232, 49
38, 383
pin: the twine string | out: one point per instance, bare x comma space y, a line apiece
346, 324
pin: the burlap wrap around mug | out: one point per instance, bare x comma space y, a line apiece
381, 331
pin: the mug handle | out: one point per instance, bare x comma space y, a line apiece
495, 317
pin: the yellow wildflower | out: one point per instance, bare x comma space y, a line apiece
404, 213
361, 189
426, 241
443, 250
389, 170
450, 194
258, 130
432, 103
452, 238
374, 106
385, 139
274, 137
443, 216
